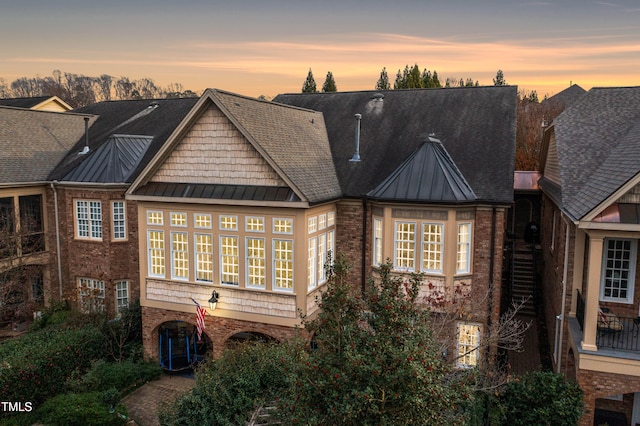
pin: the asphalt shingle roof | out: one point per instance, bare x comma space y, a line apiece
24, 102
476, 126
598, 146
294, 139
33, 142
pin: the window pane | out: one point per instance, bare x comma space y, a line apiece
256, 268
122, 295
95, 218
377, 242
156, 253
180, 255
178, 219
229, 262
432, 247
405, 246
283, 226
202, 221
463, 260
468, 345
283, 264
155, 218
311, 263
119, 228
229, 223
255, 224
618, 269
204, 257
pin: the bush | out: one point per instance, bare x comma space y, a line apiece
229, 389
81, 409
123, 376
36, 366
541, 398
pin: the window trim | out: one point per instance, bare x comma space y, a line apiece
286, 219
90, 221
195, 220
248, 262
174, 276
440, 244
160, 216
197, 262
125, 237
312, 262
150, 257
396, 264
289, 261
476, 357
222, 263
468, 245
247, 220
633, 248
377, 241
118, 298
179, 225
230, 216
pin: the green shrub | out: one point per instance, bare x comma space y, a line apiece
36, 366
81, 409
541, 398
229, 389
123, 376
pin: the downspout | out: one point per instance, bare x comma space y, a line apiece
491, 268
565, 274
55, 207
364, 245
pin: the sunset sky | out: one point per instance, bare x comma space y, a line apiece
266, 47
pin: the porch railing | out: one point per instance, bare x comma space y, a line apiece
614, 331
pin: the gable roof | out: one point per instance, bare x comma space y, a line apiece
566, 97
476, 125
428, 175
33, 142
292, 140
44, 103
598, 148
148, 120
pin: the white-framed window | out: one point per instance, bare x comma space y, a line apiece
282, 226
283, 265
178, 219
618, 270
155, 217
405, 246
89, 219
468, 346
432, 247
91, 294
330, 245
331, 218
377, 242
228, 223
202, 221
229, 261
322, 258
254, 224
204, 257
322, 222
180, 255
311, 262
119, 217
312, 224
155, 244
463, 257
122, 295
256, 262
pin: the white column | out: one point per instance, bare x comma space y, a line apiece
592, 296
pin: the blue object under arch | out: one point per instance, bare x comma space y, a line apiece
178, 348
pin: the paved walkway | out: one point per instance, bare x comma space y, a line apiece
143, 403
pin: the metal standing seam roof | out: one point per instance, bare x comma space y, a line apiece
220, 192
428, 175
112, 162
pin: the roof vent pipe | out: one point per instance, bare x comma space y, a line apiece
356, 154
85, 150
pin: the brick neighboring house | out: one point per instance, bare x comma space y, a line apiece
591, 223
97, 227
248, 197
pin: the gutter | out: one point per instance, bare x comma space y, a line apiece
55, 203
565, 274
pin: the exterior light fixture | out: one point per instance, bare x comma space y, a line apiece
213, 302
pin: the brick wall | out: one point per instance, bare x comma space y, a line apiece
596, 384
105, 260
217, 329
349, 242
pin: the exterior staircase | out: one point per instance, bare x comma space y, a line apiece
264, 416
523, 285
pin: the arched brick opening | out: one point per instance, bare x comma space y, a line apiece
179, 347
571, 365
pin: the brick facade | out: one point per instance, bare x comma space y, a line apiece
218, 330
107, 260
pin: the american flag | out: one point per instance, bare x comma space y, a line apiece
200, 313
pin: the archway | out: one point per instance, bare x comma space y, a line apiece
178, 346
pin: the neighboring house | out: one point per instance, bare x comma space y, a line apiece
39, 103
33, 142
591, 226
97, 228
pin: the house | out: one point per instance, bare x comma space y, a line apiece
245, 201
33, 142
591, 226
40, 103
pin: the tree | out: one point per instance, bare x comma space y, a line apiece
383, 81
499, 79
309, 85
329, 83
376, 360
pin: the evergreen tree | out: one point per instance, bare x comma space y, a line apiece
414, 78
383, 81
499, 80
435, 82
426, 78
401, 82
329, 84
309, 85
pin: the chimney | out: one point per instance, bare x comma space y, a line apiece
356, 154
85, 150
